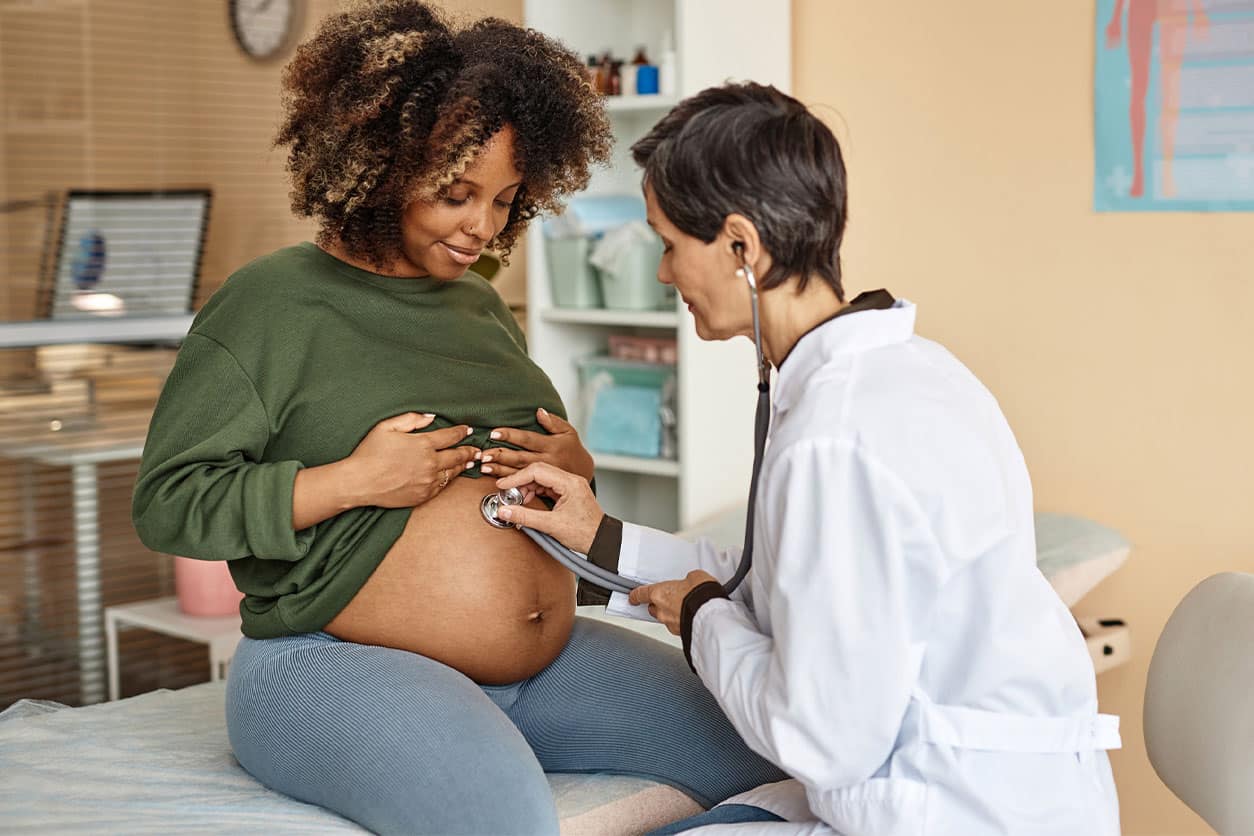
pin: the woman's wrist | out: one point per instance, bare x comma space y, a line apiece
352, 486
322, 492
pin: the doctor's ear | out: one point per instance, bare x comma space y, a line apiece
742, 239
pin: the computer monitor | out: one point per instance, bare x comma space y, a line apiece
127, 253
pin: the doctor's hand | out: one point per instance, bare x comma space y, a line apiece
665, 599
560, 448
574, 519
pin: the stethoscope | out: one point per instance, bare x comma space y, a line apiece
589, 571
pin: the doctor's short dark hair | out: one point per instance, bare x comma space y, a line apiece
752, 150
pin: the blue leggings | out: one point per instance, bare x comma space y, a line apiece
400, 743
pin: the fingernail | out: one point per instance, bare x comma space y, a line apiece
543, 412
496, 436
428, 415
468, 465
486, 468
479, 455
504, 512
470, 431
487, 458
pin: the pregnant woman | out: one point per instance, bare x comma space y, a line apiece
405, 664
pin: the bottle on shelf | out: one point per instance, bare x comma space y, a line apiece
616, 78
646, 80
667, 66
604, 68
627, 83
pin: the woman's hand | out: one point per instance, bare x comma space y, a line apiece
666, 599
575, 518
394, 468
560, 448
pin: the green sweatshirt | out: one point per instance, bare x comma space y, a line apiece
289, 365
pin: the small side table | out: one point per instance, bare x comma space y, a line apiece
162, 615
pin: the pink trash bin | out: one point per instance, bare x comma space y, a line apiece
204, 587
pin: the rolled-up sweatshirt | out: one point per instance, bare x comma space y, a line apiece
288, 365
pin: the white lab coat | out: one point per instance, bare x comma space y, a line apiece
895, 649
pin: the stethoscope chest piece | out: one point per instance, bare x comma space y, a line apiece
493, 501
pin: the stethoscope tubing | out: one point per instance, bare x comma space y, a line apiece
579, 564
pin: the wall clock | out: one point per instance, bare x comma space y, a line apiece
264, 29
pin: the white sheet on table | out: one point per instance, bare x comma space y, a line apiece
161, 763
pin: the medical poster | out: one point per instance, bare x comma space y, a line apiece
1174, 95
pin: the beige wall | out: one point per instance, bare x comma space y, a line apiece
1118, 345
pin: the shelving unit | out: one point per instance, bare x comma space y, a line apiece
604, 316
625, 104
714, 41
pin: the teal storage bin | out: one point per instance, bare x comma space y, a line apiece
629, 408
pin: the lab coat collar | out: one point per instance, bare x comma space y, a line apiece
851, 332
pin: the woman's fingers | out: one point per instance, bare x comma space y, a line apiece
515, 459
406, 422
522, 438
445, 438
498, 470
455, 460
553, 423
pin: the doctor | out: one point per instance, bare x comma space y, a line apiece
894, 647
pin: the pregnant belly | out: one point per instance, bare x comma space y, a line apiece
485, 601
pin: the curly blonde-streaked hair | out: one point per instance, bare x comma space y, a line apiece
388, 103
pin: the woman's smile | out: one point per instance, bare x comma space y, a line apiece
461, 255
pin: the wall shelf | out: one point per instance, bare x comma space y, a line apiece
606, 316
638, 104
634, 464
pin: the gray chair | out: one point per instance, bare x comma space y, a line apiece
1199, 702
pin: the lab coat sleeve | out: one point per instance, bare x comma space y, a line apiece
650, 555
856, 575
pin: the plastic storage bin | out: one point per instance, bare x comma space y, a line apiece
629, 407
572, 279
627, 259
570, 240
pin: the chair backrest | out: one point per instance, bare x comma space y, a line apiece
1199, 702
